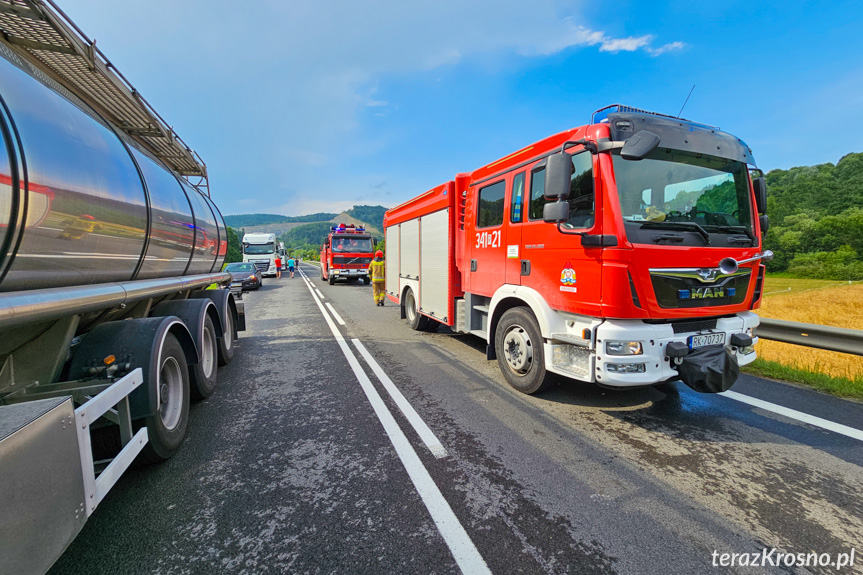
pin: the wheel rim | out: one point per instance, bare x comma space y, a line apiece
208, 353
228, 338
517, 350
170, 393
409, 307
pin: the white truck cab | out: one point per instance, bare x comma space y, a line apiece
262, 250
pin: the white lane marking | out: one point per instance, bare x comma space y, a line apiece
456, 538
320, 295
426, 434
335, 314
794, 414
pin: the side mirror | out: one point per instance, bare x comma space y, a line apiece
760, 187
639, 145
764, 221
558, 177
555, 212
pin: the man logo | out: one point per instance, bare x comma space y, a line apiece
707, 274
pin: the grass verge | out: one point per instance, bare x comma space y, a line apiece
840, 386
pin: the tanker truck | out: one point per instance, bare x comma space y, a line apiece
109, 242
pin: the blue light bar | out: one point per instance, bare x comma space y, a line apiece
601, 115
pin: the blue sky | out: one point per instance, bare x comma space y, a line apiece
306, 106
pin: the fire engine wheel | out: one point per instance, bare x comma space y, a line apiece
332, 279
167, 427
415, 319
518, 345
366, 280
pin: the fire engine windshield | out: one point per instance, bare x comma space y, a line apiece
254, 249
352, 245
676, 190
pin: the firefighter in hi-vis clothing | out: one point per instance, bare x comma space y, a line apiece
376, 272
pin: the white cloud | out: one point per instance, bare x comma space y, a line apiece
666, 48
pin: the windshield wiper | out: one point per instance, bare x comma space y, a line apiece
676, 225
743, 229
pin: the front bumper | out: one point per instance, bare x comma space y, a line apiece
650, 367
347, 273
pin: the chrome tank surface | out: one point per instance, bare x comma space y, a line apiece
79, 204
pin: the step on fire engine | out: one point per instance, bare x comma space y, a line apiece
346, 254
625, 253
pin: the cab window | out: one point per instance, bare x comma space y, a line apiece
490, 212
517, 205
582, 200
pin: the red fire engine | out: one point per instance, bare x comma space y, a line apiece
346, 254
625, 253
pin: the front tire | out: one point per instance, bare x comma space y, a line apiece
416, 320
167, 427
518, 345
332, 279
367, 280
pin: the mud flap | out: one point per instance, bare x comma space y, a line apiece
710, 369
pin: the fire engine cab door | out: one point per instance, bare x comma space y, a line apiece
553, 263
486, 237
514, 218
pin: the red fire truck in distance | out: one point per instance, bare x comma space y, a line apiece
626, 253
346, 254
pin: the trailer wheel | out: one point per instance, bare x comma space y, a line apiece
167, 427
226, 342
518, 345
204, 373
415, 319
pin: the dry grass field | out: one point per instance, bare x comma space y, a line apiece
812, 301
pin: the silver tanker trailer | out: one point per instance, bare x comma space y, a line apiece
108, 243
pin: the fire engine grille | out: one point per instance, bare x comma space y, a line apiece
353, 260
689, 326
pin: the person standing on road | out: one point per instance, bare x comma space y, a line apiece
291, 264
278, 268
377, 271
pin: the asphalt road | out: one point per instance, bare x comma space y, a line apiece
294, 466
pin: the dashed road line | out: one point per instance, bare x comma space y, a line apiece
335, 314
456, 538
426, 434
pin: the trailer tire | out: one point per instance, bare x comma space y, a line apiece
204, 373
518, 346
167, 427
225, 344
416, 320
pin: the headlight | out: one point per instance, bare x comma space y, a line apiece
253, 278
623, 348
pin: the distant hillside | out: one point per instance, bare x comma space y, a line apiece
249, 220
371, 215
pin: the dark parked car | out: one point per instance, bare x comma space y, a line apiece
245, 273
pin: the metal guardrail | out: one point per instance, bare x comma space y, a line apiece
811, 335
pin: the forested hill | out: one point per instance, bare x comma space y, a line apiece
248, 220
372, 215
816, 219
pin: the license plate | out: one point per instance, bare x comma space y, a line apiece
706, 339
